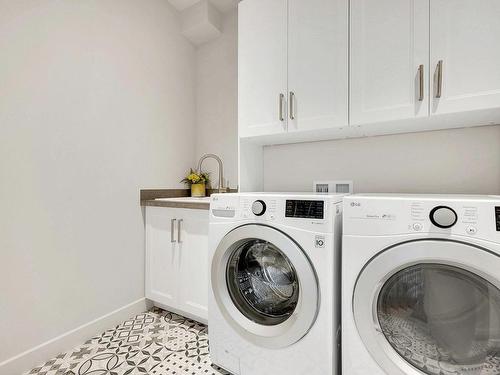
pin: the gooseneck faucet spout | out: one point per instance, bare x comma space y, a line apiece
221, 188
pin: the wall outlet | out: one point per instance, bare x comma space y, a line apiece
333, 187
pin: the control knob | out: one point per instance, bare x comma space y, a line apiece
443, 217
258, 207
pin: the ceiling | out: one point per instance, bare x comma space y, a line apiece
221, 5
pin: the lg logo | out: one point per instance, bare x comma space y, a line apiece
355, 204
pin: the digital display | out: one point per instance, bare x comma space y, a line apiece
305, 209
497, 218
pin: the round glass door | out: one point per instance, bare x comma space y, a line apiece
431, 307
264, 286
262, 282
442, 319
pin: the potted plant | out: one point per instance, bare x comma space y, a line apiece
198, 182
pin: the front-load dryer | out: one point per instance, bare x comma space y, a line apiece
274, 265
421, 285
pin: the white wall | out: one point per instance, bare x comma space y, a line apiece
448, 161
217, 100
96, 101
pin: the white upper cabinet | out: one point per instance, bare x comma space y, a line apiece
465, 37
322, 69
262, 62
293, 65
317, 64
389, 60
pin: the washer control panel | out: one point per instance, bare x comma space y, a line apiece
305, 209
497, 217
310, 212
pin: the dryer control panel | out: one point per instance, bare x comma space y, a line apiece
473, 216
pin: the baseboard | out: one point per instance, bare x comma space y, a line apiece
43, 352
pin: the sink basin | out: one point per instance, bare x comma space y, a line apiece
186, 199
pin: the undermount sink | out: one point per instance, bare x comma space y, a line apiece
186, 199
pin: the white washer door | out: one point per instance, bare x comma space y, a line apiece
431, 307
265, 286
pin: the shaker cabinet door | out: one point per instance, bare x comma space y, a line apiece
465, 55
389, 70
193, 259
262, 67
161, 255
317, 64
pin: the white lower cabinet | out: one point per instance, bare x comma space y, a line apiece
177, 260
193, 263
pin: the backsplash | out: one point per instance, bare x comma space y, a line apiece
449, 161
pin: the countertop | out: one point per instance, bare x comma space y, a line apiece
175, 198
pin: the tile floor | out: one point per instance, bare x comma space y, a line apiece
156, 342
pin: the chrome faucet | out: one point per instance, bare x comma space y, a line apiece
221, 188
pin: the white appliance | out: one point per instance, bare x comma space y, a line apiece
274, 262
421, 285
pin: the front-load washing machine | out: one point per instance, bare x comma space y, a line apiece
421, 285
274, 271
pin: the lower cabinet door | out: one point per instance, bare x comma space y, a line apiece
193, 259
162, 255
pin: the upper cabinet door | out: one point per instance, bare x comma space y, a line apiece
389, 60
465, 38
262, 67
317, 64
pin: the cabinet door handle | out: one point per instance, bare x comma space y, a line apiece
179, 231
281, 116
172, 229
292, 105
421, 82
439, 79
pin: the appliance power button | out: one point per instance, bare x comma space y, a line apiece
471, 230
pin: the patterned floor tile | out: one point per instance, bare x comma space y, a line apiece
156, 342
178, 364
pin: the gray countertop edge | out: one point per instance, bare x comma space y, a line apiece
148, 198
191, 205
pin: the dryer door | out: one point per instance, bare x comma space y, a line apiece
265, 285
431, 307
